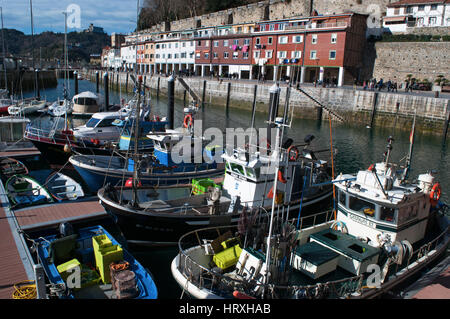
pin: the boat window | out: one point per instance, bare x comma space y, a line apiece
105, 123
92, 122
253, 173
387, 214
360, 205
237, 168
342, 197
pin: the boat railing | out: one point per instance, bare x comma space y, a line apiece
197, 272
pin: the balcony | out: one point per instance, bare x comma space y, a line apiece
316, 26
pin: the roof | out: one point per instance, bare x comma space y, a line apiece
88, 94
402, 3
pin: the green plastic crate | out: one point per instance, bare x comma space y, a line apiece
200, 186
228, 257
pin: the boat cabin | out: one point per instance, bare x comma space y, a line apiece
100, 127
373, 203
86, 103
250, 177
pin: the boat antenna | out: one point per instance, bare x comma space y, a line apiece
411, 146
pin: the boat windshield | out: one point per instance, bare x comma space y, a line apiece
85, 101
92, 122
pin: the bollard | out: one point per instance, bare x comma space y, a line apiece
171, 101
106, 88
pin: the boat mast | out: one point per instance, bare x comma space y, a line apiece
32, 48
65, 95
411, 144
137, 118
3, 49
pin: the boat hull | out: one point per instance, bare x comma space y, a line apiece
152, 228
95, 172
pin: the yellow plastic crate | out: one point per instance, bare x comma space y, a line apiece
105, 257
228, 257
65, 269
99, 242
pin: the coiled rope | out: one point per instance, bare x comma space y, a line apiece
25, 290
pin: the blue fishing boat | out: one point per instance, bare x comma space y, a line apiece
90, 263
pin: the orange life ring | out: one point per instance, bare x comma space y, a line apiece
187, 120
294, 156
281, 177
435, 193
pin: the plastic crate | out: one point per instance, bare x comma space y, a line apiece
99, 242
228, 257
66, 269
200, 186
104, 258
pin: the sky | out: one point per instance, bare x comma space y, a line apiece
112, 15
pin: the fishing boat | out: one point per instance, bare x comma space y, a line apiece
105, 269
26, 107
10, 166
162, 213
63, 187
60, 108
86, 104
385, 230
24, 191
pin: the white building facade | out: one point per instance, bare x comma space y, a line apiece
406, 14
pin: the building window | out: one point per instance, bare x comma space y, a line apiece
314, 39
421, 7
333, 55
434, 7
236, 42
297, 39
313, 55
272, 27
333, 37
256, 54
396, 11
215, 55
235, 55
206, 55
258, 41
269, 54
432, 20
283, 40
281, 26
263, 27
296, 54
409, 9
225, 55
282, 54
216, 44
207, 43
199, 43
245, 55
246, 41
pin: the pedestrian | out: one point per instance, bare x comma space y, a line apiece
364, 85
395, 87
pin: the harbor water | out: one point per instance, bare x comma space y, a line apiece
355, 146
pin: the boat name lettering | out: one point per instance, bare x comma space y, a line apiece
361, 220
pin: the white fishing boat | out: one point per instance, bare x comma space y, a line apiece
86, 104
63, 187
386, 229
24, 191
26, 107
60, 108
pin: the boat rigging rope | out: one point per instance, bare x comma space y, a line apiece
25, 290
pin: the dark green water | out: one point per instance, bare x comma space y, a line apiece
357, 147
